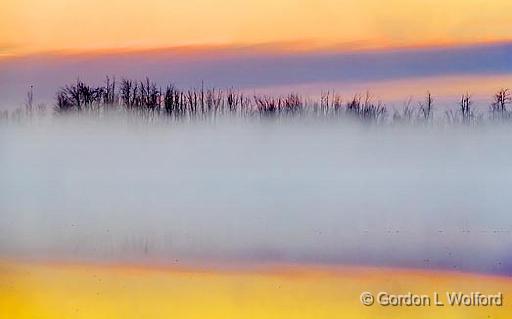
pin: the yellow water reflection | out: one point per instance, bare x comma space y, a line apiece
29, 290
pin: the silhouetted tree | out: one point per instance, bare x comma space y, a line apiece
465, 105
426, 107
501, 100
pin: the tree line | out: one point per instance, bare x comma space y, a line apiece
147, 100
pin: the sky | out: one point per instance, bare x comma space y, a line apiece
32, 26
389, 74
446, 46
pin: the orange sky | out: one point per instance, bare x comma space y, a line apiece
30, 26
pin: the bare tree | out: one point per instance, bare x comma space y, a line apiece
128, 92
366, 110
29, 103
79, 96
501, 100
465, 105
109, 91
426, 107
406, 114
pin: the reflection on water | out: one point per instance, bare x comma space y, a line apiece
253, 191
33, 290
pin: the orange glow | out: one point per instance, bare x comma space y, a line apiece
86, 291
401, 90
29, 26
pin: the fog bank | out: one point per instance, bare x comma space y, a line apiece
257, 191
